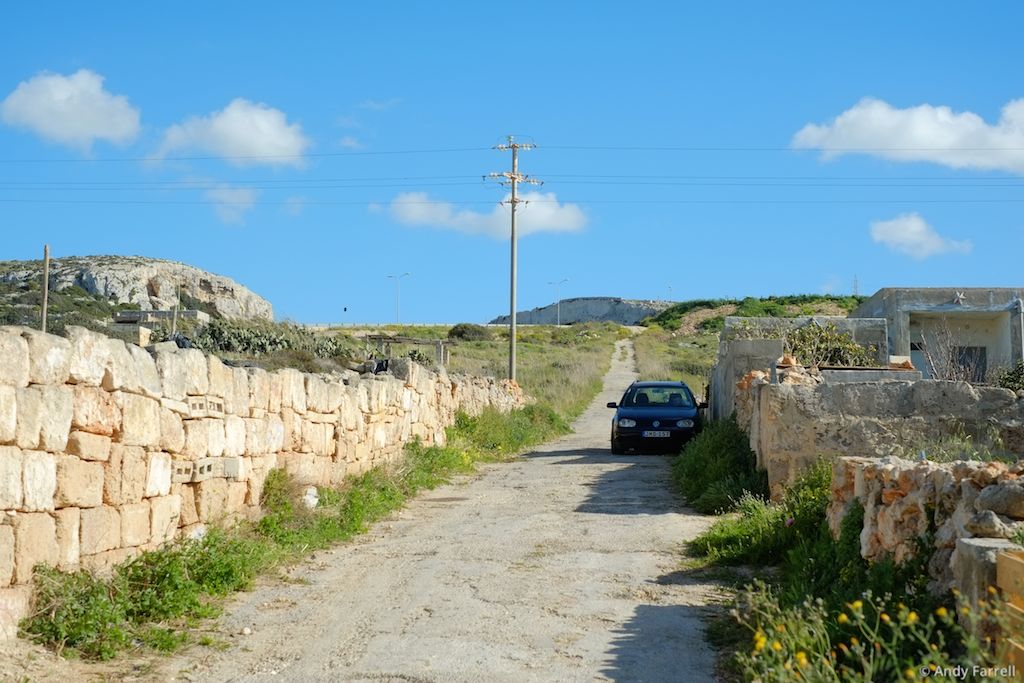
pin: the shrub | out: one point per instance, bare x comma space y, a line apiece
762, 532
1013, 378
717, 467
815, 344
469, 332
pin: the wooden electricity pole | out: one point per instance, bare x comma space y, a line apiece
513, 179
46, 283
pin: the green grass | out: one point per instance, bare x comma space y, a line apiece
717, 469
661, 354
772, 306
156, 599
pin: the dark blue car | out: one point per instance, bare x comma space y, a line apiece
655, 416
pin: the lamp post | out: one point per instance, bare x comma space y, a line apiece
670, 293
398, 293
558, 299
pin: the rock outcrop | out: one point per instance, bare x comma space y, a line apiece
149, 283
589, 309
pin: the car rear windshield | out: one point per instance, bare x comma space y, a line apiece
660, 397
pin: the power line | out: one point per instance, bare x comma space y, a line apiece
242, 157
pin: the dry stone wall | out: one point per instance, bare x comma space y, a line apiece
108, 450
798, 421
967, 510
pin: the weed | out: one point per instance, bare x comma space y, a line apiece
717, 467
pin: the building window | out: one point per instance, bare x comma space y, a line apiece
972, 362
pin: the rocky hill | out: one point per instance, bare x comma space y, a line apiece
591, 308
149, 284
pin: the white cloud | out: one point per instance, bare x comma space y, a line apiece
231, 203
349, 142
244, 132
541, 213
72, 110
909, 234
923, 133
380, 105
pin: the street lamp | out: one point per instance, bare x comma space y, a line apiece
558, 299
670, 293
398, 292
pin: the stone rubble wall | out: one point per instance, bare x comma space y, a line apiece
967, 510
800, 420
107, 450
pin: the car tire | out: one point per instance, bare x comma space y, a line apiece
617, 448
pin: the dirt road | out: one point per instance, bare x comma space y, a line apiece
561, 566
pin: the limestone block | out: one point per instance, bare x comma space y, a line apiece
100, 530
974, 565
14, 359
134, 474
135, 529
90, 356
259, 389
179, 408
189, 513
235, 500
95, 411
35, 542
15, 603
79, 483
38, 480
55, 420
317, 397
234, 436
302, 467
197, 438
240, 392
145, 371
30, 416
275, 392
211, 499
6, 556
275, 434
49, 357
317, 438
292, 429
158, 474
103, 564
1006, 498
171, 367
255, 436
293, 392
140, 419
165, 516
197, 373
219, 377
10, 478
172, 432
8, 414
335, 395
217, 437
89, 446
68, 522
120, 373
237, 469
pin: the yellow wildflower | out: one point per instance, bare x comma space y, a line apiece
857, 605
776, 645
965, 610
842, 618
941, 613
991, 590
912, 618
884, 617
781, 628
854, 641
759, 641
801, 659
910, 674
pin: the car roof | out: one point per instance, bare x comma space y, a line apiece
652, 383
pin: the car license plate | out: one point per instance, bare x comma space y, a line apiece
661, 434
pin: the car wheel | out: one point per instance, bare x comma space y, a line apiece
617, 448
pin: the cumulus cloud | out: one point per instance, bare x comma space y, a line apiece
350, 142
246, 133
923, 133
542, 213
71, 110
909, 234
231, 203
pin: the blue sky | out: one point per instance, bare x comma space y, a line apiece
727, 150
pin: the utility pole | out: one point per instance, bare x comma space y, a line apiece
46, 282
398, 292
856, 286
558, 298
670, 293
513, 179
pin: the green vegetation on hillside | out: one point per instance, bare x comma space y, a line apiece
21, 304
773, 306
661, 354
